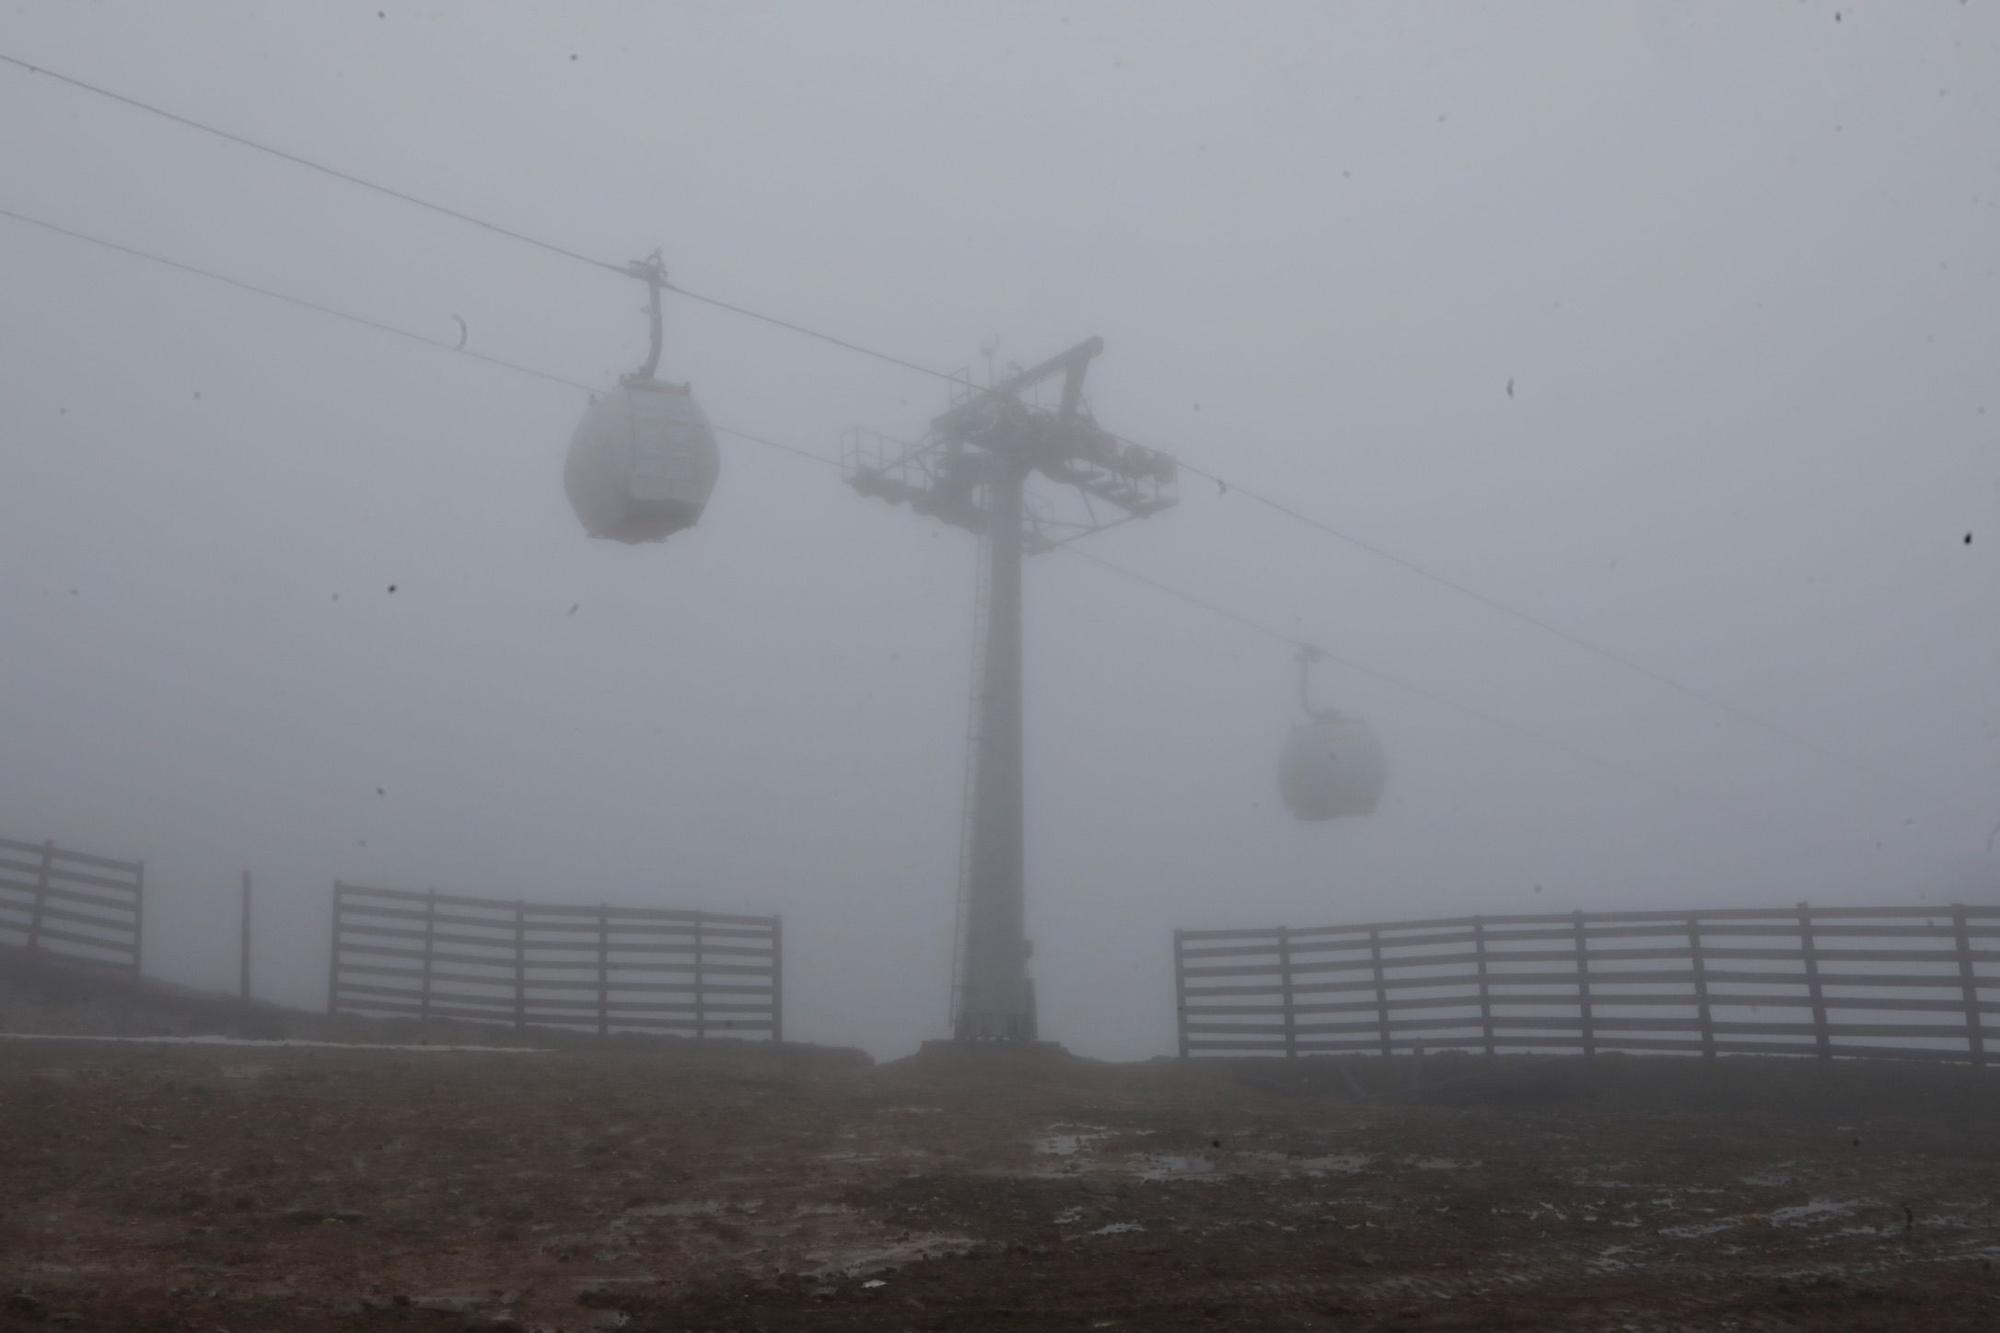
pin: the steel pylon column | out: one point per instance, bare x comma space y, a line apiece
997, 1001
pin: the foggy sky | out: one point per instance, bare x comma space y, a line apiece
1738, 262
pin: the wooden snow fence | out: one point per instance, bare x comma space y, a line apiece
71, 906
601, 969
1896, 982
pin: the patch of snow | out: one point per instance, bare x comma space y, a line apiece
1073, 1143
1116, 1229
1326, 1164
1173, 1166
1810, 1212
1065, 1145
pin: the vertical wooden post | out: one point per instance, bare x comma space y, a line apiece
700, 983
430, 930
1180, 991
520, 964
1583, 987
1968, 980
243, 946
1381, 987
1485, 987
1704, 1017
1285, 990
777, 978
603, 969
1821, 1037
41, 894
138, 920
333, 953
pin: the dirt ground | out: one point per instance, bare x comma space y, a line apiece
657, 1187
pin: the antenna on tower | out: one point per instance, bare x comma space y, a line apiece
973, 469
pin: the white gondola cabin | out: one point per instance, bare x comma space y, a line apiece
642, 462
1332, 766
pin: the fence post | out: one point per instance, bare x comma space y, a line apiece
520, 964
1485, 989
700, 1009
1180, 991
243, 950
1703, 1016
1975, 1038
1583, 987
1821, 1036
333, 954
1285, 990
1381, 986
138, 920
777, 978
603, 969
41, 895
430, 929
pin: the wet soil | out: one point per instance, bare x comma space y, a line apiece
649, 1186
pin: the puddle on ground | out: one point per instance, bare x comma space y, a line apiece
1067, 1145
1068, 1140
857, 1260
684, 1208
1172, 1166
1804, 1213
1333, 1164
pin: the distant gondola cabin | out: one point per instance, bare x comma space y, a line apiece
1332, 766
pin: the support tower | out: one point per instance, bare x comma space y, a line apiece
973, 470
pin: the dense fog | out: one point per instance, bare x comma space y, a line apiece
1667, 328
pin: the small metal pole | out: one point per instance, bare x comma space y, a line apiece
1180, 991
777, 978
243, 951
1381, 986
138, 920
430, 929
333, 953
1583, 988
520, 965
603, 969
1485, 987
700, 1003
1975, 1037
1703, 1015
1285, 984
1821, 1036
41, 895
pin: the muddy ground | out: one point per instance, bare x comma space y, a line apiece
650, 1187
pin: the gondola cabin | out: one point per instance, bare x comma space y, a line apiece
642, 462
1331, 767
